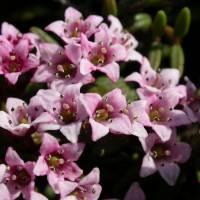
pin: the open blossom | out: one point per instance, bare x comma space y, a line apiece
16, 60
160, 113
71, 29
62, 111
16, 120
5, 194
61, 63
106, 113
153, 81
57, 161
101, 54
88, 187
123, 37
19, 177
163, 156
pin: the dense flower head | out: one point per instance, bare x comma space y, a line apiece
16, 51
65, 104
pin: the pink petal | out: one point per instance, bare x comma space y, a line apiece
169, 77
181, 152
13, 77
73, 52
42, 74
148, 166
56, 27
72, 14
5, 194
8, 30
49, 144
2, 171
90, 102
118, 51
169, 172
115, 25
138, 130
66, 187
120, 124
41, 167
72, 152
111, 70
98, 130
72, 171
12, 158
135, 77
92, 178
86, 67
162, 131
22, 49
37, 196
116, 99
135, 193
71, 131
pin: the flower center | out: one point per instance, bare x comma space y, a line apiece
55, 160
98, 59
101, 115
14, 64
21, 176
67, 113
156, 114
75, 32
160, 151
66, 70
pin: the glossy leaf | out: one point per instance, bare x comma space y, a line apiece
111, 7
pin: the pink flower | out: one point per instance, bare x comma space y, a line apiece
163, 156
123, 37
74, 25
62, 111
106, 114
61, 64
57, 162
87, 188
16, 120
16, 59
102, 55
153, 81
160, 113
19, 177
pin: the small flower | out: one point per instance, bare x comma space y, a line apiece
87, 187
105, 113
16, 120
71, 29
19, 177
163, 156
57, 162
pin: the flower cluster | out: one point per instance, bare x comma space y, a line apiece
64, 109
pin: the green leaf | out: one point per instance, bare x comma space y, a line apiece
142, 21
111, 7
159, 23
182, 24
177, 58
104, 85
45, 37
155, 56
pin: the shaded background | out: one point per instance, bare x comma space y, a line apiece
26, 13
